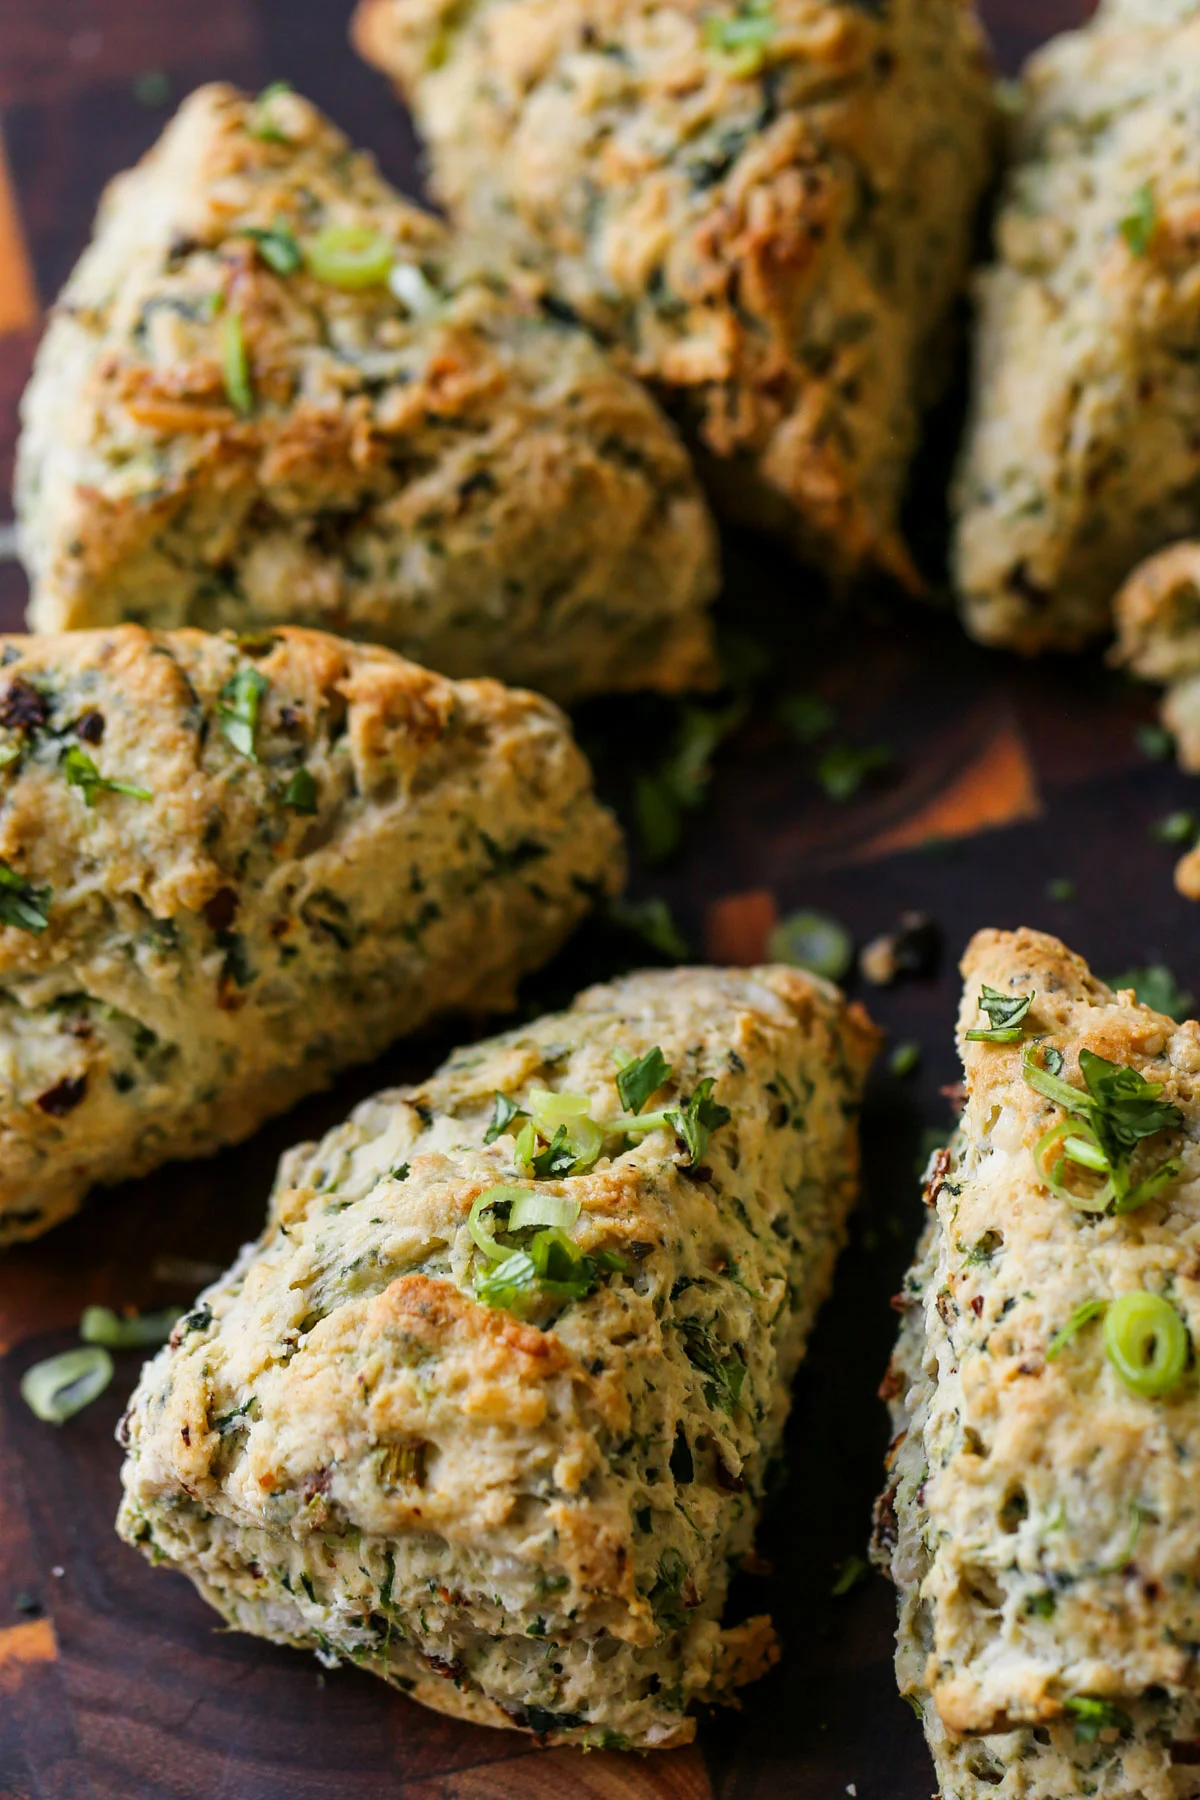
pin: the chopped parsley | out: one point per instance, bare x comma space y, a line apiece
81, 772
238, 709
745, 37
503, 1113
720, 1363
1007, 1013
665, 1596
697, 1117
1141, 221
552, 1266
641, 1077
21, 904
301, 791
1091, 1716
1108, 1120
1083, 1315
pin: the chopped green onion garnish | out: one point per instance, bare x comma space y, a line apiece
486, 1202
1007, 1013
1147, 1343
1118, 1110
127, 1331
350, 256
1083, 1315
237, 711
81, 772
63, 1385
301, 792
277, 247
813, 941
261, 125
413, 290
26, 907
235, 364
543, 1209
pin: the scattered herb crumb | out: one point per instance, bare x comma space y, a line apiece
1155, 987
905, 1058
851, 1574
1060, 888
1155, 742
843, 768
813, 941
1176, 828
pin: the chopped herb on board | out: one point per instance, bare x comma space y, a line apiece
651, 920
843, 768
904, 1059
1155, 987
813, 941
1140, 222
81, 772
807, 716
152, 87
238, 709
128, 1331
1176, 828
1061, 888
1007, 1013
22, 905
55, 1390
679, 784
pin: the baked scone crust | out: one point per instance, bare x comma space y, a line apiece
527, 1521
772, 232
286, 896
1082, 453
1040, 1522
444, 468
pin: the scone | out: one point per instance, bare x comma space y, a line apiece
489, 1408
229, 868
765, 209
1083, 450
1041, 1516
273, 392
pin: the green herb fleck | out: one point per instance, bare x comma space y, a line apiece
152, 87
1060, 888
81, 772
1141, 221
504, 1112
238, 710
1155, 742
638, 1079
806, 716
843, 768
904, 1058
680, 783
1155, 987
128, 1331
665, 1595
814, 941
699, 1116
721, 1363
260, 123
276, 246
22, 905
744, 38
235, 364
1176, 828
1090, 1717
1007, 1013
851, 1574
1041, 1605
651, 920
1083, 1315
301, 792
1118, 1110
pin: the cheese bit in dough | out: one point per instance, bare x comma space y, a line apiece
1082, 453
763, 206
1040, 1518
273, 391
501, 1434
231, 867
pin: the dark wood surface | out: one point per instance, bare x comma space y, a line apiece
114, 1684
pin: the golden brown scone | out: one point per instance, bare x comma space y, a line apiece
229, 869
510, 1465
1040, 1520
763, 205
273, 392
1083, 451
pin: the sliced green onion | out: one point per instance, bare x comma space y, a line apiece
549, 1110
1147, 1343
1065, 1132
276, 246
414, 290
238, 708
1052, 1086
1087, 1152
526, 1147
55, 1390
1083, 1315
485, 1202
128, 1331
350, 256
22, 905
813, 941
1146, 1190
261, 125
235, 364
542, 1209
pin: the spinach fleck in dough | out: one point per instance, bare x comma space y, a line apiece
275, 392
228, 870
763, 206
1083, 452
525, 1513
1041, 1518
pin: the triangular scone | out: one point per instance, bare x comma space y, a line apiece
1082, 454
510, 1465
764, 206
1043, 1518
229, 869
273, 392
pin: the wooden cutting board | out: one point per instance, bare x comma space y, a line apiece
115, 1682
